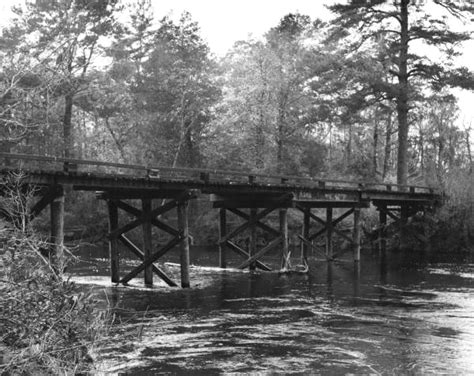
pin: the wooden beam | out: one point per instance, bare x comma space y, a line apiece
222, 233
184, 244
44, 201
234, 247
154, 221
147, 240
137, 252
170, 245
113, 246
260, 253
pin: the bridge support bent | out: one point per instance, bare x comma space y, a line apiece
146, 218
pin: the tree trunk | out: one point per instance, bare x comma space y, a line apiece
375, 145
67, 127
402, 97
388, 141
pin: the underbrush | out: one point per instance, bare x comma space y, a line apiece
47, 326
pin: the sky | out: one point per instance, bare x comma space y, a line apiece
224, 22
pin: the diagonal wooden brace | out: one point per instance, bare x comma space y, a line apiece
248, 224
52, 193
325, 224
137, 252
171, 244
260, 253
137, 222
154, 221
243, 253
311, 245
262, 225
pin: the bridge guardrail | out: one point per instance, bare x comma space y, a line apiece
204, 175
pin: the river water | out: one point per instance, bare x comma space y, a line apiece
402, 317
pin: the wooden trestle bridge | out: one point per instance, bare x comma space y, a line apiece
251, 197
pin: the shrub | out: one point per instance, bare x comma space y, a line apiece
47, 326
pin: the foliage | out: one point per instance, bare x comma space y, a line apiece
47, 326
392, 33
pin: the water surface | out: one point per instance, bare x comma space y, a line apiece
337, 319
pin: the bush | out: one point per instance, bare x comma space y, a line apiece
46, 325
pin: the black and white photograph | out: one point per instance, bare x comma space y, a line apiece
252, 187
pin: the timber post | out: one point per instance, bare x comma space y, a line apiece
147, 241
222, 234
306, 228
113, 243
382, 229
183, 229
253, 236
329, 231
285, 262
57, 227
356, 234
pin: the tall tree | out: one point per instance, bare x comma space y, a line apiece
404, 27
62, 37
179, 89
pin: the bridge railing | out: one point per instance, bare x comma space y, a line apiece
31, 162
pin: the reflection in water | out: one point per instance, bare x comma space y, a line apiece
338, 319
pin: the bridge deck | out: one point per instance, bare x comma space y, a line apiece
135, 181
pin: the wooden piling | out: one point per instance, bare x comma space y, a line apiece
381, 235
147, 240
306, 227
113, 243
253, 237
285, 262
329, 231
356, 235
57, 228
184, 244
222, 234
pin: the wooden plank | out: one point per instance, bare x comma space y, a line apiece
170, 245
113, 246
184, 244
234, 247
137, 252
254, 257
147, 240
222, 233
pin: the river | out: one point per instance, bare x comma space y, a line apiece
402, 317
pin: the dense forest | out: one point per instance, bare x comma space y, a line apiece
367, 95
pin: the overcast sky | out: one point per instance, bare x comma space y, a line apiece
223, 22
